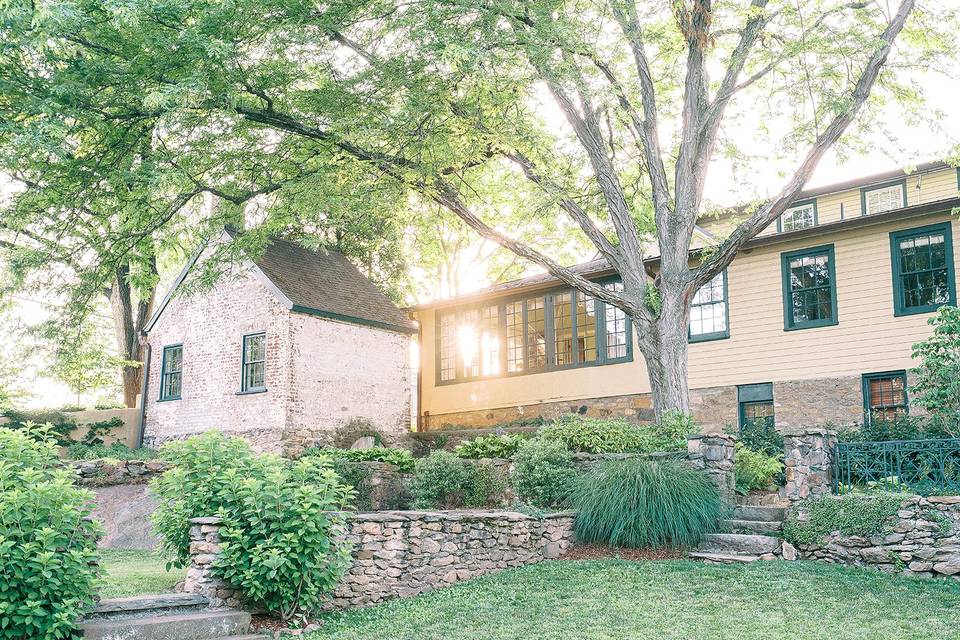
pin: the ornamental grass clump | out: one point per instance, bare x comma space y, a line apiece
641, 503
48, 547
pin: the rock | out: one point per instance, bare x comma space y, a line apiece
788, 551
949, 568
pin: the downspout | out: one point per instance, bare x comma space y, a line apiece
419, 375
143, 394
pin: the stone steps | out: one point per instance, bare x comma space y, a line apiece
762, 527
759, 514
739, 544
197, 625
146, 606
723, 558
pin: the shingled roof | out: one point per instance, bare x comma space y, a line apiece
321, 283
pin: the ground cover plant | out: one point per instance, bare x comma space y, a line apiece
581, 434
491, 446
641, 503
135, 572
48, 549
543, 474
400, 458
444, 481
666, 600
853, 514
115, 451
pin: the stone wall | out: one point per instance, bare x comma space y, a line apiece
108, 473
808, 463
634, 407
713, 454
923, 540
801, 403
397, 554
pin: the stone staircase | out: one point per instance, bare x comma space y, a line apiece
172, 616
752, 533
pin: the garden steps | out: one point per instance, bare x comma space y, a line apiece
762, 527
739, 544
724, 558
196, 625
760, 514
145, 606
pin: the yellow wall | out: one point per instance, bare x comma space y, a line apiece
867, 339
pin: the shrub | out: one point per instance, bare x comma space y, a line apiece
937, 387
617, 435
491, 446
851, 514
755, 470
543, 473
444, 481
47, 543
344, 436
641, 503
56, 423
903, 428
400, 458
115, 451
761, 435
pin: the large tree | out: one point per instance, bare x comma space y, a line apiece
607, 112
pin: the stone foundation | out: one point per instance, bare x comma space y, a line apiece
634, 407
808, 463
923, 540
802, 403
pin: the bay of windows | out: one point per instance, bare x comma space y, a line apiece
560, 330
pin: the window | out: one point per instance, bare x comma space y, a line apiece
923, 272
885, 396
801, 215
253, 376
559, 330
171, 372
756, 403
885, 197
708, 311
809, 288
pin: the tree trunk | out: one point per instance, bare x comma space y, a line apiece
664, 345
129, 319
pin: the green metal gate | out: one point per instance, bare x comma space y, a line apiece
927, 467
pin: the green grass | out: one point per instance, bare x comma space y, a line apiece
596, 600
134, 573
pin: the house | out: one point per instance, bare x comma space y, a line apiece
297, 345
813, 321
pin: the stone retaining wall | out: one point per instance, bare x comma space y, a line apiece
397, 554
923, 540
108, 473
808, 463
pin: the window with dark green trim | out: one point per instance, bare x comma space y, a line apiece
883, 197
558, 330
885, 396
801, 215
708, 311
809, 288
755, 403
254, 368
171, 372
923, 269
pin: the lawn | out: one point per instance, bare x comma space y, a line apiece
133, 573
586, 600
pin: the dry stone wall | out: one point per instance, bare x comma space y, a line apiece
808, 463
109, 473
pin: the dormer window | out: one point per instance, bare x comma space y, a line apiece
885, 197
802, 215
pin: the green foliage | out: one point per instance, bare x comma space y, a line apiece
617, 435
115, 451
278, 543
491, 446
640, 503
761, 435
853, 514
400, 458
755, 470
444, 481
101, 428
543, 474
58, 424
937, 387
48, 549
903, 428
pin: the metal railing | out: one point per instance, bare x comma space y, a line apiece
922, 466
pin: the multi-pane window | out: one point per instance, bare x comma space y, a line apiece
542, 333
885, 396
708, 310
799, 216
809, 288
254, 369
171, 373
884, 198
756, 403
923, 274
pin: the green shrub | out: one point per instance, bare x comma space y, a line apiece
755, 470
937, 387
400, 458
48, 548
354, 475
543, 473
115, 451
903, 428
491, 446
641, 503
56, 423
617, 435
761, 435
851, 514
444, 481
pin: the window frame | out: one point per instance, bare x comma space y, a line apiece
899, 309
244, 390
789, 324
794, 205
902, 183
715, 335
865, 390
161, 397
549, 334
756, 393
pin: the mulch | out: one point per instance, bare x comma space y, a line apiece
602, 552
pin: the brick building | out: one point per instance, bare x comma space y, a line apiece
298, 344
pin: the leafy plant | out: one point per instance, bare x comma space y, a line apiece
937, 387
48, 553
851, 514
755, 470
903, 428
115, 451
617, 435
55, 423
100, 428
444, 481
543, 473
641, 503
400, 458
761, 435
491, 446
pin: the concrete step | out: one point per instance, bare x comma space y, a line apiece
762, 514
739, 543
146, 606
200, 625
724, 558
752, 526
